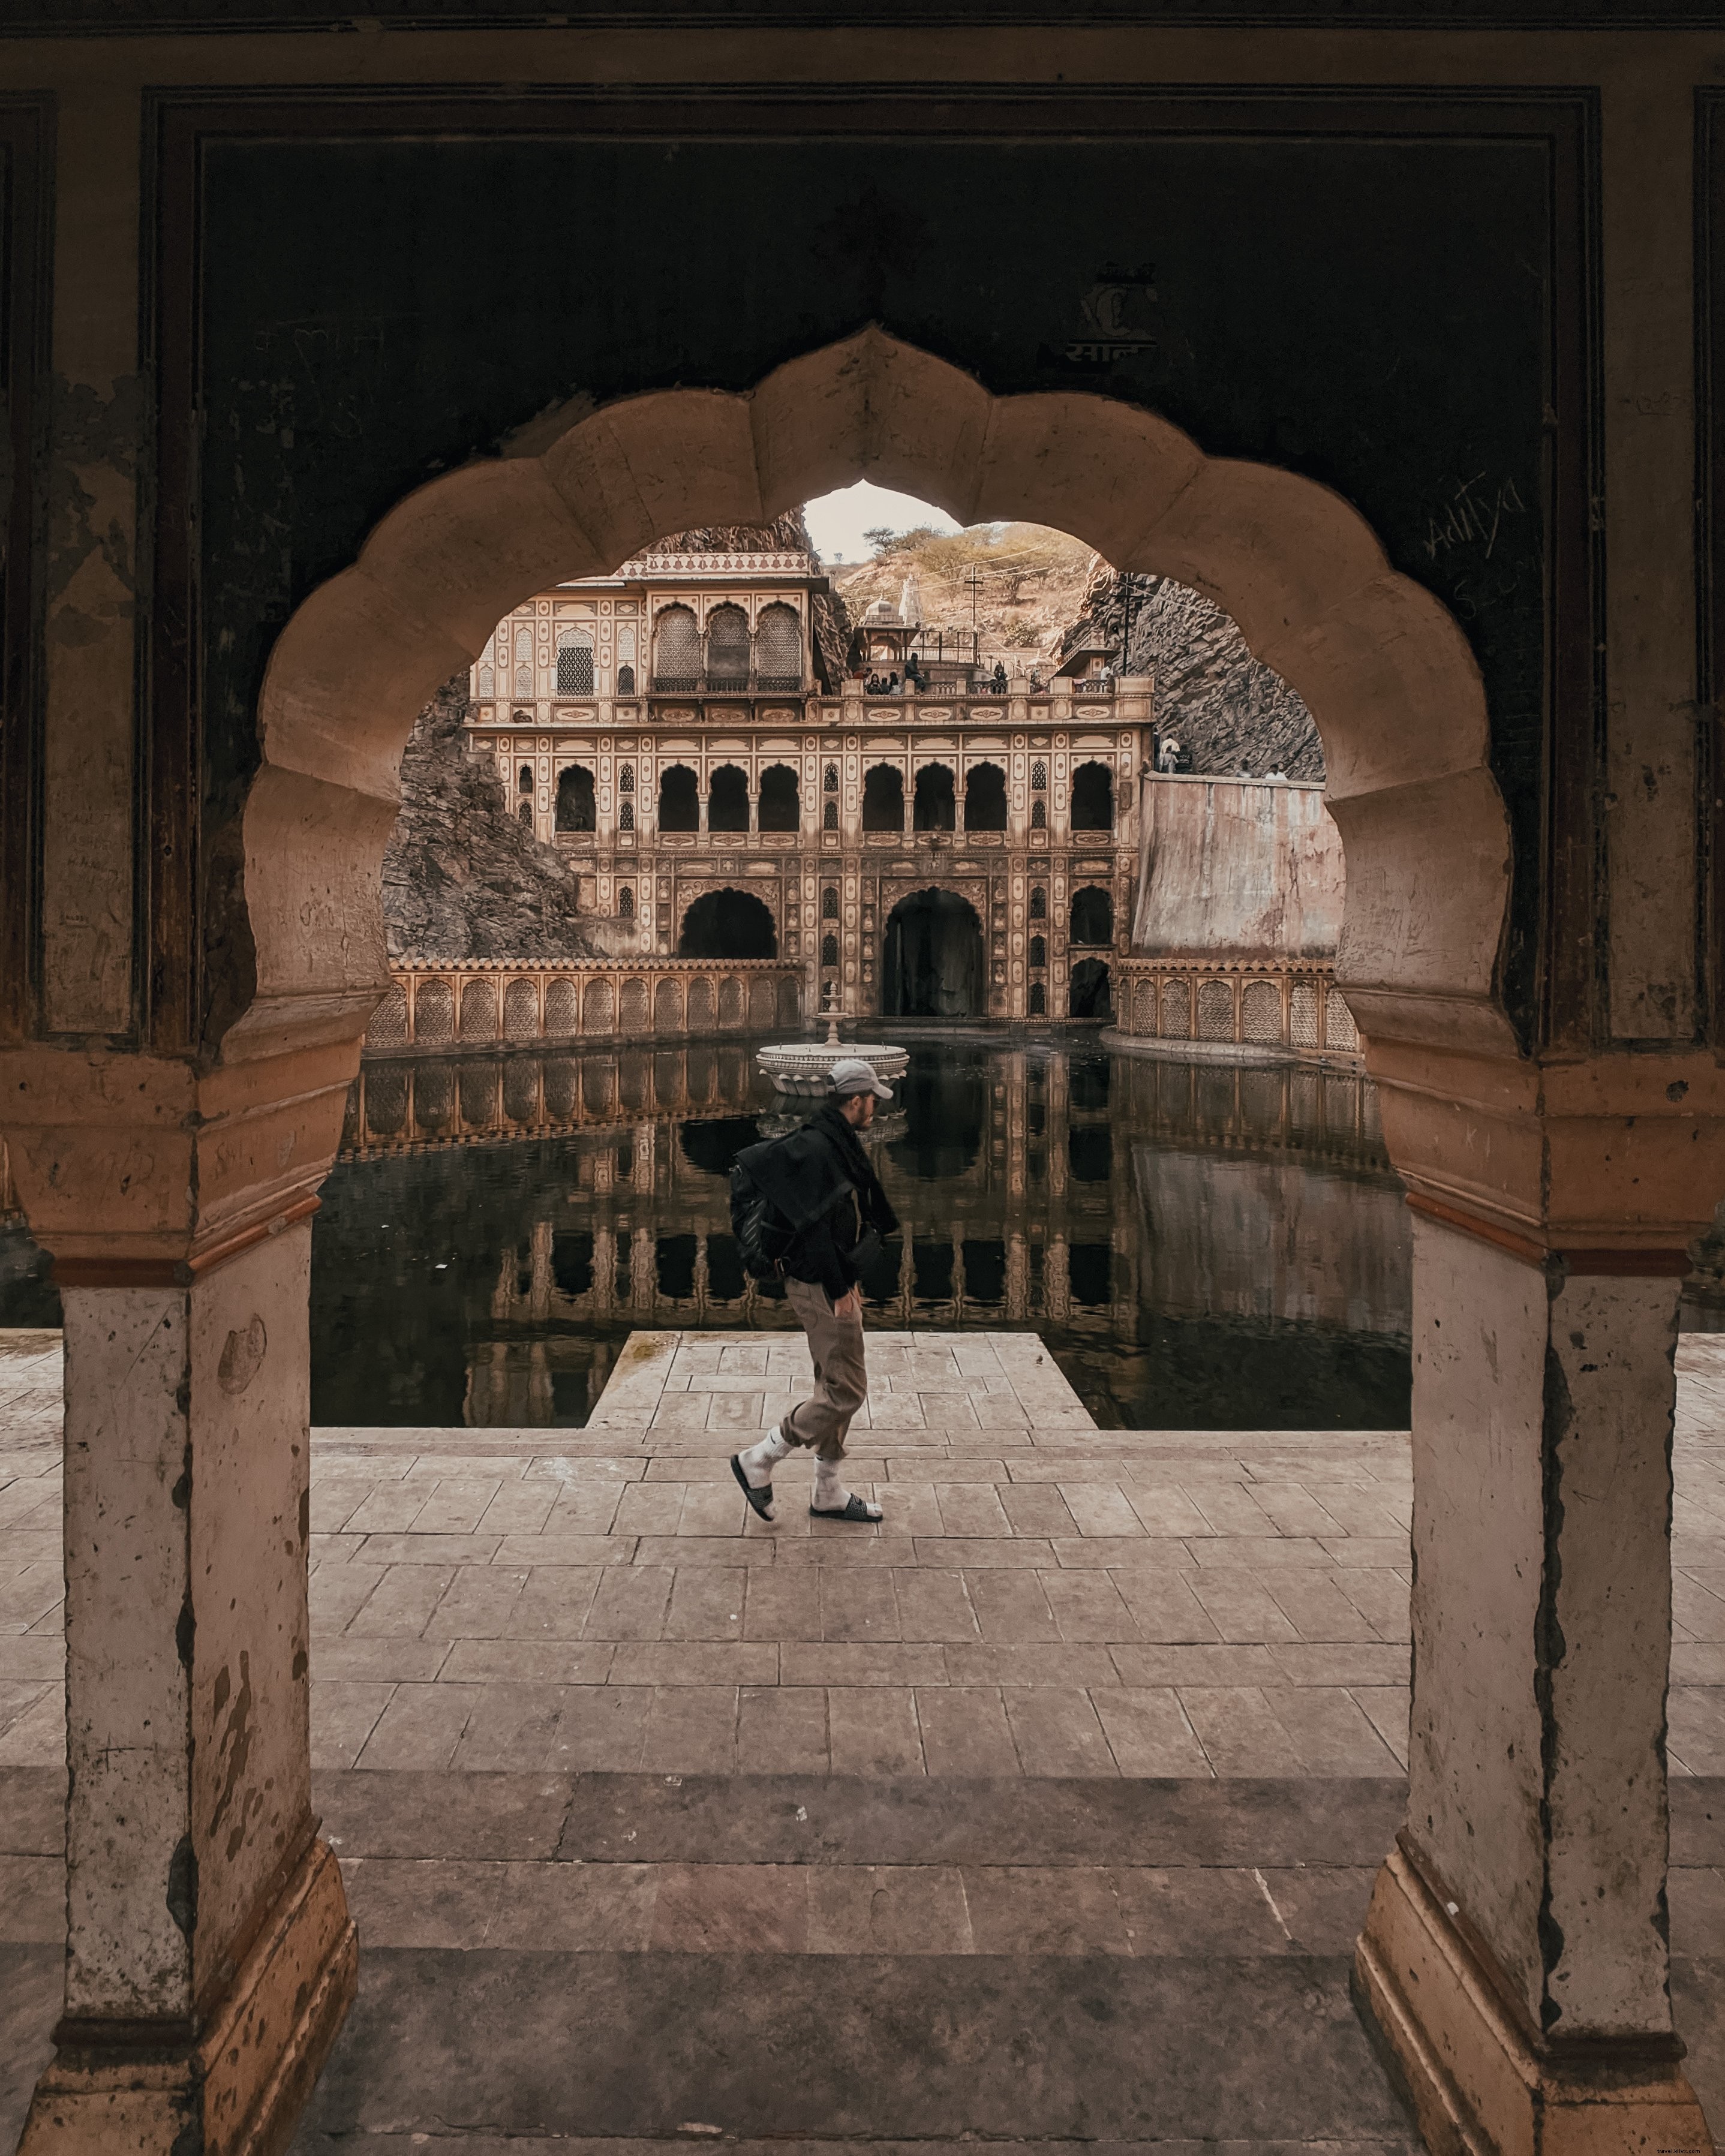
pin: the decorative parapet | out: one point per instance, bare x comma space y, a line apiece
1235, 1010
503, 1003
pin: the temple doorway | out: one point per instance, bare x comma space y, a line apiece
728, 924
931, 966
1089, 996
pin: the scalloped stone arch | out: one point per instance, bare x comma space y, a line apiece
1384, 669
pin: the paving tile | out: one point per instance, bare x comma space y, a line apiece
1098, 1508
873, 1730
1011, 1607
583, 1507
1348, 1663
690, 1729
1316, 1607
343, 1717
933, 1606
430, 1549
478, 1604
1240, 1731
601, 1728
707, 1602
699, 1662
782, 1602
509, 1728
854, 1662
526, 1661
1031, 1663
1331, 1734
421, 1725
1027, 1553
1211, 1665
1056, 1730
1087, 1607
1122, 1553
1163, 1608
384, 1661
1149, 1733
858, 1603
888, 1909
399, 1902
970, 1509
965, 1730
731, 1908
782, 1730
575, 1908
1240, 1607
630, 1603
1387, 1710
338, 1595
1022, 1909
555, 1603
403, 1602
1216, 1911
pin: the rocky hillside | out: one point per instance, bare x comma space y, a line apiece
1228, 712
1029, 582
1036, 591
462, 878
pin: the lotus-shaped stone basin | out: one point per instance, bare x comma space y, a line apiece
805, 1068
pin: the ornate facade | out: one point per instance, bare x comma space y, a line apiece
931, 845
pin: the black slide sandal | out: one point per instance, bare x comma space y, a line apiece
760, 1501
857, 1510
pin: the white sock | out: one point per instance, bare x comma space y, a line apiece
760, 1459
830, 1494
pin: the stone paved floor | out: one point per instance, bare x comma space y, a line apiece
1129, 1706
1042, 1597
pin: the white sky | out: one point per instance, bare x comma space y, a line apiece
837, 521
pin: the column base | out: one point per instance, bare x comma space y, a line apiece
238, 2087
1480, 2083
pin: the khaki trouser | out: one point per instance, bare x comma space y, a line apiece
841, 1385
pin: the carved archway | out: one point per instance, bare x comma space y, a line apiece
1385, 671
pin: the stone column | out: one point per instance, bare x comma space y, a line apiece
210, 1958
209, 1954
1515, 1958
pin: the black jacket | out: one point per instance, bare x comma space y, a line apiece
819, 1179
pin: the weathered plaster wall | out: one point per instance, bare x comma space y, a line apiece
1239, 867
99, 429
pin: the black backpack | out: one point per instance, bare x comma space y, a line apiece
763, 1235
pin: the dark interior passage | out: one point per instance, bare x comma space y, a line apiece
728, 924
985, 798
1089, 996
933, 963
934, 807
883, 807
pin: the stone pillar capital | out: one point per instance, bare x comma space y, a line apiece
141, 1170
1611, 1164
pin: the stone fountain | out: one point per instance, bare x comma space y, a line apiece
803, 1068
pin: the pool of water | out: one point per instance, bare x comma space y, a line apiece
1202, 1247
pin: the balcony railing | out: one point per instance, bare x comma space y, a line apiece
728, 684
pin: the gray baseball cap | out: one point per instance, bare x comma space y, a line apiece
851, 1074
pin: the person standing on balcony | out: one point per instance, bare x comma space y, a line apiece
819, 1182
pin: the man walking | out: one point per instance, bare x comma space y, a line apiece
819, 1180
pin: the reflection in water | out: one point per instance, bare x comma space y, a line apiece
1202, 1247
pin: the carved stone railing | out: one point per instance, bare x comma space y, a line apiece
1237, 1010
502, 1002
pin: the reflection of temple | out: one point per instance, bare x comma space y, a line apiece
925, 838
1087, 1196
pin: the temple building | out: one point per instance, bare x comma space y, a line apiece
921, 832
